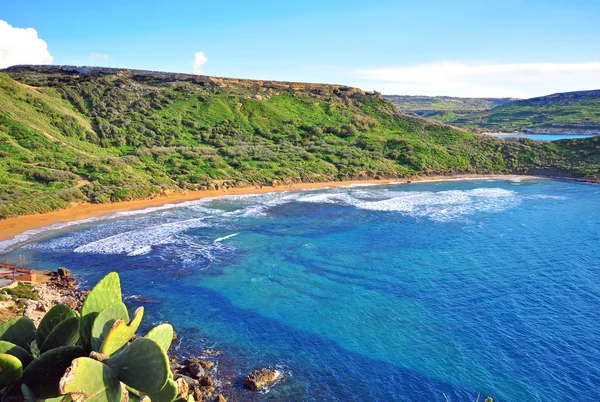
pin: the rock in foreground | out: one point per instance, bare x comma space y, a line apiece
261, 379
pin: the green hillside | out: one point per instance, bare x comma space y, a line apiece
444, 108
569, 112
72, 134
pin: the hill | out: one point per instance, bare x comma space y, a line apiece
569, 112
444, 108
72, 134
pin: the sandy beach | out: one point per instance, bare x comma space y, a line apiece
12, 227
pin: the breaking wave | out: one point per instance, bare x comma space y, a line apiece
139, 241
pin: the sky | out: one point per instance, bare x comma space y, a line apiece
509, 48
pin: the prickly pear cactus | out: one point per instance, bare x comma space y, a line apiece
169, 392
17, 351
91, 380
105, 320
28, 394
64, 334
19, 330
105, 293
120, 333
143, 365
53, 318
162, 334
11, 370
43, 374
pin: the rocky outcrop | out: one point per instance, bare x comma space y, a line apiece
63, 272
195, 373
159, 77
261, 379
60, 287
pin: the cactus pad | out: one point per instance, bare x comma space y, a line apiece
53, 317
17, 351
143, 365
162, 334
28, 394
19, 330
91, 380
120, 333
43, 374
105, 293
11, 370
169, 392
104, 322
64, 334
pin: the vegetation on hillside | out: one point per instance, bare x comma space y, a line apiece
104, 135
570, 112
444, 108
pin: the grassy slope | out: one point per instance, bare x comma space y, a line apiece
122, 135
565, 112
568, 112
445, 108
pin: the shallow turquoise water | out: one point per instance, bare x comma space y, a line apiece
387, 293
544, 137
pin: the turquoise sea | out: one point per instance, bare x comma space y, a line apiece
544, 137
403, 292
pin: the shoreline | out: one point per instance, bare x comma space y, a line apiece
12, 227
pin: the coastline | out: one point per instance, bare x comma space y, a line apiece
11, 227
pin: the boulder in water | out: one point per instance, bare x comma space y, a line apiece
260, 379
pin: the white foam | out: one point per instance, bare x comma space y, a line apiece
29, 234
148, 227
249, 212
445, 206
331, 198
165, 207
190, 250
140, 251
139, 240
225, 237
363, 185
34, 234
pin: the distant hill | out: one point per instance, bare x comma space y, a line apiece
569, 112
444, 107
90, 134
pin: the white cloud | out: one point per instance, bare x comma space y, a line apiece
21, 46
98, 57
199, 60
521, 80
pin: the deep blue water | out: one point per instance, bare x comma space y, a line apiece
544, 137
387, 293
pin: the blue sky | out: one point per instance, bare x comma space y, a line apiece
463, 48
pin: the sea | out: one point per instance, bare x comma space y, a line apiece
544, 137
433, 291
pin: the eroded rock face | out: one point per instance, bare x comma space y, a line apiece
63, 272
196, 370
261, 379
